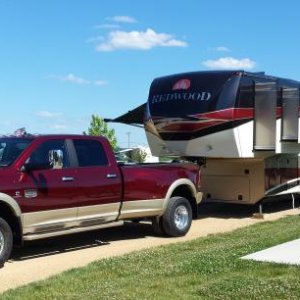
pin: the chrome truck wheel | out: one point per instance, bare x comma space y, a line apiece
178, 217
181, 217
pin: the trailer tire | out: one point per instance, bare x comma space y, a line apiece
177, 218
6, 241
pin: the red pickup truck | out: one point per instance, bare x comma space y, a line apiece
59, 184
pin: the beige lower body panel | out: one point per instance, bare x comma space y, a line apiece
87, 215
51, 223
141, 208
64, 219
49, 220
32, 237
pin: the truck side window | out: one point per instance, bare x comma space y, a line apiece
90, 153
41, 154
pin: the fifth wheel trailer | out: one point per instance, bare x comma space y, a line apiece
245, 125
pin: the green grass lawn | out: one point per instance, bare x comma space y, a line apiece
206, 268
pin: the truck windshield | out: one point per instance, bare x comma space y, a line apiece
11, 148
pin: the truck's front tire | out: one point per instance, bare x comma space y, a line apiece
6, 241
178, 216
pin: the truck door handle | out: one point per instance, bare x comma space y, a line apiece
111, 175
66, 179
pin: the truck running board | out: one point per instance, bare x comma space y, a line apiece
32, 237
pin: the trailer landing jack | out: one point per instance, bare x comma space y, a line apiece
260, 214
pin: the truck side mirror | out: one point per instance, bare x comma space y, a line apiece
56, 159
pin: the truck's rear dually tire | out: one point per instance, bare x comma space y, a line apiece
6, 241
158, 226
177, 218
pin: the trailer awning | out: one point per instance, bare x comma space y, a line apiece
133, 117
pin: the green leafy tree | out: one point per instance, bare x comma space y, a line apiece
99, 127
138, 155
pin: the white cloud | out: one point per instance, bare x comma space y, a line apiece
59, 127
95, 39
139, 40
100, 82
230, 63
222, 49
122, 19
78, 80
74, 79
107, 26
48, 114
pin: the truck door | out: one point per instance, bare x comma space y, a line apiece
99, 183
48, 196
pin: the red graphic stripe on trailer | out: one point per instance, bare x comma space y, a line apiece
278, 112
229, 114
234, 114
210, 119
190, 126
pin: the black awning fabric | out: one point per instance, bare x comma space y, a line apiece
133, 117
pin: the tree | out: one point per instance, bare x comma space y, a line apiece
99, 127
138, 155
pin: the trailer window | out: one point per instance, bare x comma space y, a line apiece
246, 92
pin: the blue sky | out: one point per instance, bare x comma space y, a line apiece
62, 61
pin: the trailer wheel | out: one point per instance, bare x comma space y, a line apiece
177, 218
6, 241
